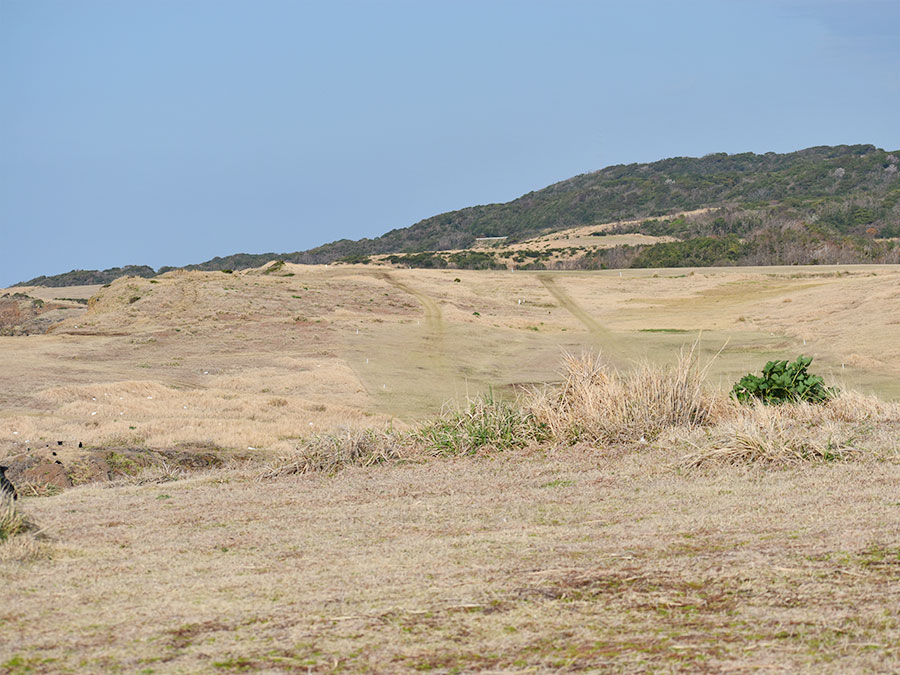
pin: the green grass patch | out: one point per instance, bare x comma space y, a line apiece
486, 423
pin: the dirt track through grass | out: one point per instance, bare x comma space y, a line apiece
576, 310
549, 559
397, 342
433, 315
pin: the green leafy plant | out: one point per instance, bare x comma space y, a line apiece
784, 382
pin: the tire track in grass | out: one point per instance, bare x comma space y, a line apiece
415, 363
576, 310
615, 346
434, 318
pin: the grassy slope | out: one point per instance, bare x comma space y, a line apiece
256, 360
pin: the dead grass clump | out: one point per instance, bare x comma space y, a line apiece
156, 474
777, 436
849, 406
23, 548
38, 489
849, 426
773, 445
19, 536
331, 452
12, 522
597, 403
485, 424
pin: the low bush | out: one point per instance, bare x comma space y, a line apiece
783, 382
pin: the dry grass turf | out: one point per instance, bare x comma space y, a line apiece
624, 518
558, 559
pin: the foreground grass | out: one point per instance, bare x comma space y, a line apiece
563, 559
619, 521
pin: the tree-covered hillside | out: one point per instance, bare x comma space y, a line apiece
849, 189
822, 204
90, 277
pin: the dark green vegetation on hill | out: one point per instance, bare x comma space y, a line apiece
89, 277
845, 190
819, 205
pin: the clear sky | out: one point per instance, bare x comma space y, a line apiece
166, 132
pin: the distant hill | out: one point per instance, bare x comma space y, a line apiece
849, 188
819, 205
89, 277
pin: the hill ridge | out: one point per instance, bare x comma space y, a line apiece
824, 203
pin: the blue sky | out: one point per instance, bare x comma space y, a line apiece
165, 132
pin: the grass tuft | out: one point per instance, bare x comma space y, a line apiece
849, 426
12, 522
595, 403
774, 441
19, 540
485, 424
332, 452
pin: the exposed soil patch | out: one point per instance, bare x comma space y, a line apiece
22, 314
48, 470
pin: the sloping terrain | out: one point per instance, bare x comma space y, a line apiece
187, 542
821, 205
847, 188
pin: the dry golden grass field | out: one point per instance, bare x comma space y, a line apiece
626, 517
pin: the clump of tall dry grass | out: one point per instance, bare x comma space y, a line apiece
163, 472
849, 426
12, 522
768, 437
19, 536
596, 403
331, 452
485, 423
671, 406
